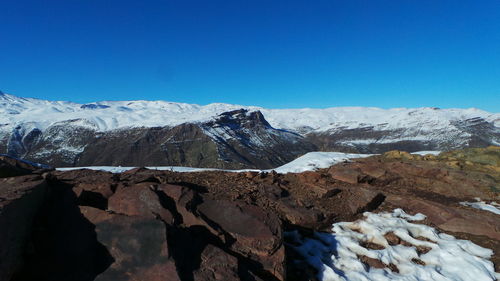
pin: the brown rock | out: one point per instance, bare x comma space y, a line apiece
20, 199
345, 174
94, 194
251, 174
297, 215
373, 169
371, 262
363, 199
137, 244
396, 154
309, 177
12, 167
139, 200
105, 189
257, 233
184, 201
452, 218
83, 176
254, 230
216, 265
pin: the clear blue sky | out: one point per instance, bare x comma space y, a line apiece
278, 54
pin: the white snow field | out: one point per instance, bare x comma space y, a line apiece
493, 207
427, 152
110, 115
336, 256
308, 162
317, 160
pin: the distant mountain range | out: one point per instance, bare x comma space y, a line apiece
154, 133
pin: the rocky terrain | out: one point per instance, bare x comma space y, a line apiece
159, 133
161, 225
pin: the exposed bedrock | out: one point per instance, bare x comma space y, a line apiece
162, 225
21, 199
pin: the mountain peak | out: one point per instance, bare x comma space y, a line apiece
243, 117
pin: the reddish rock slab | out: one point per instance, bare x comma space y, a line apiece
373, 169
184, 201
216, 265
137, 244
253, 229
310, 177
346, 174
12, 167
426, 176
105, 189
141, 174
20, 199
83, 176
452, 218
139, 200
257, 233
297, 215
358, 199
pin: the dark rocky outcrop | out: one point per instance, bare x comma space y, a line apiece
11, 167
21, 199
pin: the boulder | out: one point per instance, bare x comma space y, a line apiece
256, 233
182, 201
345, 173
216, 265
137, 244
139, 200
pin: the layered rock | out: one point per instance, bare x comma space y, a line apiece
162, 225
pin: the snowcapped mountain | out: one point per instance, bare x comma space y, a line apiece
224, 135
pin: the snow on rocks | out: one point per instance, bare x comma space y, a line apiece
388, 246
481, 205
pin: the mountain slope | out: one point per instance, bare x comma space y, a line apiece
138, 133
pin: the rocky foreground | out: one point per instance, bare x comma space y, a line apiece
161, 225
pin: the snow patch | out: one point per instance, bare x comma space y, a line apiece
317, 160
481, 205
308, 162
427, 152
338, 256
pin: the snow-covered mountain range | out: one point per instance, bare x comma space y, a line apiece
220, 135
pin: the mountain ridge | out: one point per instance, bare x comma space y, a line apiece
60, 110
231, 136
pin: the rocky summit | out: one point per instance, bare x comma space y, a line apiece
213, 225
